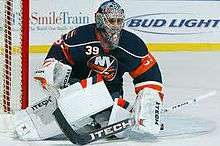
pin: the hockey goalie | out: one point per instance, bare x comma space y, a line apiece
82, 77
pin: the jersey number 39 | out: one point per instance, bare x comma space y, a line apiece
92, 50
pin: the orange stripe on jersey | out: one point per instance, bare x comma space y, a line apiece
152, 86
66, 52
83, 83
146, 64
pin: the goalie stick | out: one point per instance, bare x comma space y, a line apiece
85, 138
188, 102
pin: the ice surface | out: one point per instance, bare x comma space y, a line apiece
185, 75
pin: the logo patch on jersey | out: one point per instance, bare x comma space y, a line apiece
107, 66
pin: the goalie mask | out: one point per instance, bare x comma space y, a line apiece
110, 21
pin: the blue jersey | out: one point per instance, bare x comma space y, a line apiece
81, 49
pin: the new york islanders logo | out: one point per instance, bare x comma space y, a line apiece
107, 66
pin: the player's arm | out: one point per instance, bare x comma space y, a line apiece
148, 86
147, 74
57, 65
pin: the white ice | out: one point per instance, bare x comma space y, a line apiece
185, 75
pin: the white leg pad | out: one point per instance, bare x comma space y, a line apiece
37, 121
118, 114
84, 103
77, 104
147, 112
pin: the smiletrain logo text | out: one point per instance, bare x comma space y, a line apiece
54, 18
